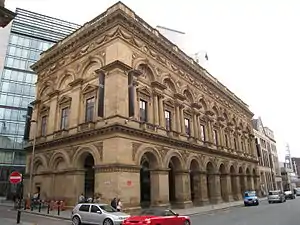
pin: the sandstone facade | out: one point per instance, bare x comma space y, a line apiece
123, 112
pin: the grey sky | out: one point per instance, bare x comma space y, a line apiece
253, 47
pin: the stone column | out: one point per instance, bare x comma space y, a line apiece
75, 116
197, 126
159, 187
252, 145
182, 189
226, 187
216, 198
237, 190
177, 115
155, 109
192, 126
203, 189
209, 131
162, 120
182, 120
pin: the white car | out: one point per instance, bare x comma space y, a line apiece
93, 213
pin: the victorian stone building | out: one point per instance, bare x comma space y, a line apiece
123, 112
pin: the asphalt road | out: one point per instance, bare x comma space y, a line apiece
265, 214
8, 217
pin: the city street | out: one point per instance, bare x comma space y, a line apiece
265, 214
8, 217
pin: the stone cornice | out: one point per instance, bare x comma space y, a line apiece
119, 128
120, 16
117, 167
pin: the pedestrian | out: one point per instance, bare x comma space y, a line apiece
81, 198
119, 205
113, 203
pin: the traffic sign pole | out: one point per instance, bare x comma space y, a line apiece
17, 178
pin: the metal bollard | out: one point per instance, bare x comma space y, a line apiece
31, 206
58, 208
40, 206
18, 216
48, 209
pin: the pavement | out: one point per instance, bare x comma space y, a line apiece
9, 217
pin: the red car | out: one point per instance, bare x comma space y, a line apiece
157, 216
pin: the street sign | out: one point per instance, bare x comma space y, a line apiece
15, 177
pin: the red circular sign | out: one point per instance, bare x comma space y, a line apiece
15, 177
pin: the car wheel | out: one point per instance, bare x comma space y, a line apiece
76, 220
108, 222
186, 222
270, 202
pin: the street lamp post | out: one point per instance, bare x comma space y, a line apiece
32, 159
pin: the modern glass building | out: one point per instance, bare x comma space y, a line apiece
30, 34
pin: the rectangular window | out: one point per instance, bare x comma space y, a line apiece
168, 120
215, 136
44, 126
203, 134
187, 126
89, 109
64, 118
143, 110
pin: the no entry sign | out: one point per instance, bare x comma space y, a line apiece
15, 177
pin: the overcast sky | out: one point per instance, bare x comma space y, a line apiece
253, 47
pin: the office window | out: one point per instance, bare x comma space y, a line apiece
89, 109
44, 126
187, 126
143, 111
64, 118
168, 120
203, 134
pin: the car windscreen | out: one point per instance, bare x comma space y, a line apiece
273, 193
107, 208
250, 194
156, 212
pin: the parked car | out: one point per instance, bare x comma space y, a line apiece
157, 216
276, 196
250, 198
93, 213
289, 195
297, 191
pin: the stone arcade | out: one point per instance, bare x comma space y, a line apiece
123, 112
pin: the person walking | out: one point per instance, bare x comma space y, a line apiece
113, 203
119, 205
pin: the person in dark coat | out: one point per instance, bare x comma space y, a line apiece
113, 203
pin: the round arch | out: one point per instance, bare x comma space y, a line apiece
45, 88
175, 158
39, 160
141, 61
146, 68
188, 94
93, 61
143, 149
83, 152
168, 81
56, 157
65, 77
